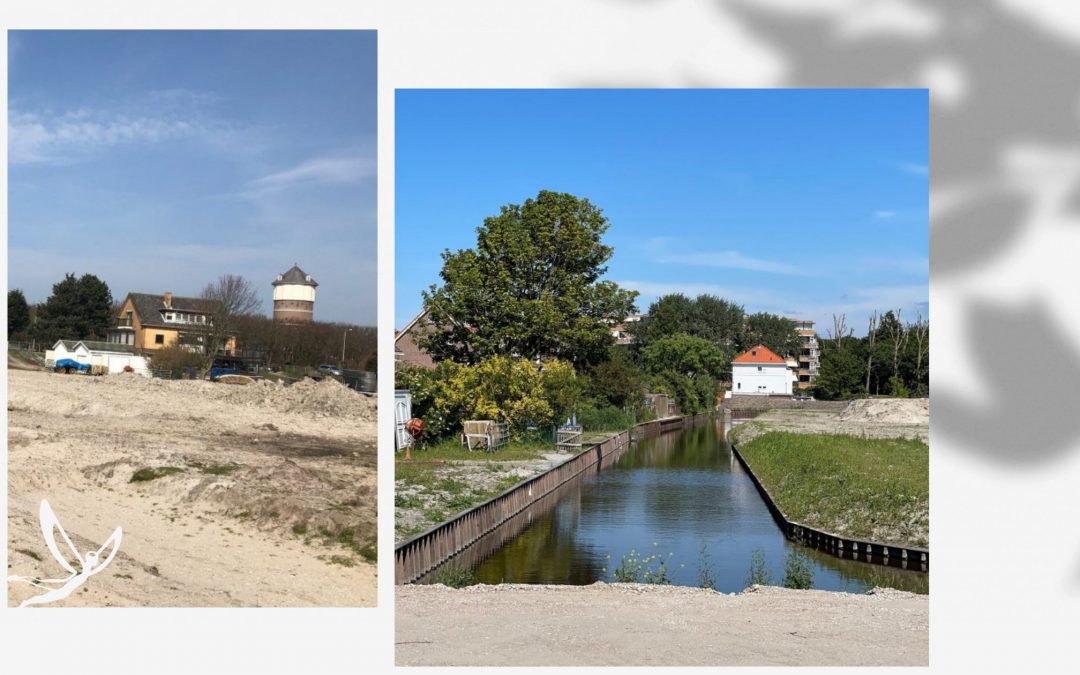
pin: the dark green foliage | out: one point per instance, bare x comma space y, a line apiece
899, 367
605, 418
18, 313
684, 354
616, 382
772, 330
78, 309
531, 287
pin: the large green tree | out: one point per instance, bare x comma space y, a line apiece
772, 330
530, 288
18, 313
79, 308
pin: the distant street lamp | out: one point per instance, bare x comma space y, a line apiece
343, 336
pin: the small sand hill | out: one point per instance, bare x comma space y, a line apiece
888, 411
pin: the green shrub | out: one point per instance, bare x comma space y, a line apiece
758, 573
798, 571
635, 569
604, 418
454, 576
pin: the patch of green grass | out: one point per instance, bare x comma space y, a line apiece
243, 515
299, 529
454, 576
26, 551
153, 473
216, 469
343, 560
875, 489
369, 552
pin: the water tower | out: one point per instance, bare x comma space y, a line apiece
294, 296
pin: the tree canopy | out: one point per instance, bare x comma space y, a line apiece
530, 288
78, 309
18, 313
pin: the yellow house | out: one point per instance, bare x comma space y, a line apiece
149, 322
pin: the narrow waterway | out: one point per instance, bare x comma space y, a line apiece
682, 497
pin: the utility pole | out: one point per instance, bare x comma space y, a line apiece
343, 336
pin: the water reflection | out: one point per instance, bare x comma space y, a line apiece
672, 496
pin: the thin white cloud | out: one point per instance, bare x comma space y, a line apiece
729, 260
913, 168
45, 138
320, 170
884, 214
655, 289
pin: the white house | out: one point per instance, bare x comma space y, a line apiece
106, 354
759, 371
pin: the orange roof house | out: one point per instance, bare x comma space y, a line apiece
759, 371
759, 354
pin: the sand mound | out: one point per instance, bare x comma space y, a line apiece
888, 411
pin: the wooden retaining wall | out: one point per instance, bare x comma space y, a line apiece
905, 557
419, 555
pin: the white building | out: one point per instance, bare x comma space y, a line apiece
108, 355
760, 372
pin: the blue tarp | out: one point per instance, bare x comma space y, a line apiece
71, 363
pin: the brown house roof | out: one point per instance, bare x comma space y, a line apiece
149, 307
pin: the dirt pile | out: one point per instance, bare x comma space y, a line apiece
326, 397
233, 495
888, 411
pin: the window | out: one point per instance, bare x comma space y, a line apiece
759, 369
159, 339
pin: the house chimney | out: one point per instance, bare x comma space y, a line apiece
168, 299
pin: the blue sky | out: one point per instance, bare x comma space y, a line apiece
799, 202
161, 160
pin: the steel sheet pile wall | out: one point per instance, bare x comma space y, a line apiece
905, 557
426, 551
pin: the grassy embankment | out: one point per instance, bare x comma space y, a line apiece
446, 478
866, 488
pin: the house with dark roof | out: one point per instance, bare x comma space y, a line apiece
406, 343
148, 322
759, 371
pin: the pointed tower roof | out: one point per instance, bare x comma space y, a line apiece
295, 276
759, 354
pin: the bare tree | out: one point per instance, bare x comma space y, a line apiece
839, 331
227, 299
870, 348
921, 330
899, 335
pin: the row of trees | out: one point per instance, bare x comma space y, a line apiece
83, 309
530, 291
892, 360
526, 307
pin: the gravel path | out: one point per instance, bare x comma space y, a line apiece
639, 625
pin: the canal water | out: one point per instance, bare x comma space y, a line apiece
682, 497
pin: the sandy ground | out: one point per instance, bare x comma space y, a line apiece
873, 418
273, 500
638, 625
